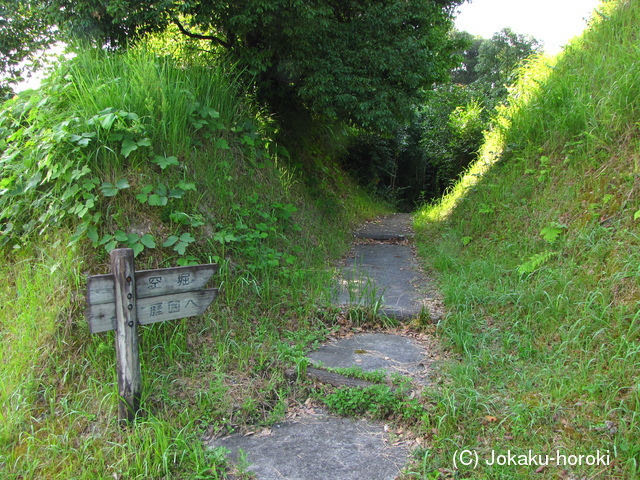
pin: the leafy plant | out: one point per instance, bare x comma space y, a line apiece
535, 262
551, 233
377, 400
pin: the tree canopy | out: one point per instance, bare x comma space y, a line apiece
364, 62
23, 31
490, 65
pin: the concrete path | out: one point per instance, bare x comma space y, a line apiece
393, 354
319, 447
381, 272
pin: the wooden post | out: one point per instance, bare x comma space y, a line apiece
127, 350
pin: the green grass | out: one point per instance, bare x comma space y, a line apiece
537, 257
272, 231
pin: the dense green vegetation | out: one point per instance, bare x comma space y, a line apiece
171, 158
24, 32
537, 250
420, 160
364, 63
165, 149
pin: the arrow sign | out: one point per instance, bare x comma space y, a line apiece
162, 294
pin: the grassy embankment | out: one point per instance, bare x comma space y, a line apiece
174, 161
538, 254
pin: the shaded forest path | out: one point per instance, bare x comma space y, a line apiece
382, 273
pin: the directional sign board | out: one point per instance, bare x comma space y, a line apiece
125, 299
163, 294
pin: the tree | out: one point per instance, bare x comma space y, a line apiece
364, 62
23, 32
465, 73
497, 60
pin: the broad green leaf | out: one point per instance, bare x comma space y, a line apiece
107, 238
170, 241
187, 237
120, 236
164, 162
137, 248
109, 189
176, 193
161, 190
71, 191
122, 184
157, 200
148, 241
89, 185
212, 112
222, 143
92, 234
180, 217
128, 146
132, 238
107, 121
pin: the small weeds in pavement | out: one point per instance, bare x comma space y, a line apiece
380, 402
377, 376
377, 400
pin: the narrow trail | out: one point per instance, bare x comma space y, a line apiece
311, 444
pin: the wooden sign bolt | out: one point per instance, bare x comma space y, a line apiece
125, 299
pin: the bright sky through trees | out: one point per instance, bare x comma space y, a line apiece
555, 22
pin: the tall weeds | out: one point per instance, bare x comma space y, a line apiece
167, 157
537, 257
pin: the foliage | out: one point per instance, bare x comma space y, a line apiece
361, 62
465, 73
60, 168
378, 400
174, 156
423, 158
451, 124
537, 253
497, 61
24, 32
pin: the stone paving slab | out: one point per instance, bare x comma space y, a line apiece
319, 447
375, 351
384, 275
388, 227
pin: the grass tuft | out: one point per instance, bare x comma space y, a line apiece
537, 252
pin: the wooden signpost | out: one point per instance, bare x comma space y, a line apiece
125, 299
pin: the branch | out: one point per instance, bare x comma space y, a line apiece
197, 36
